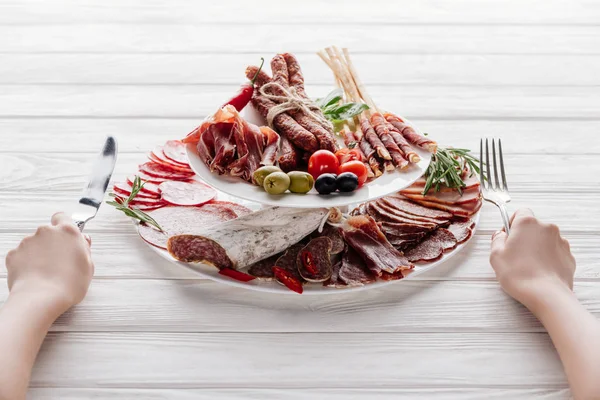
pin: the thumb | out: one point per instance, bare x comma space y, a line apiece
498, 241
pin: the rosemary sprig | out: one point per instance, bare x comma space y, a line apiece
134, 212
447, 166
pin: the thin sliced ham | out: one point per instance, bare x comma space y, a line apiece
379, 214
467, 196
457, 210
389, 207
409, 207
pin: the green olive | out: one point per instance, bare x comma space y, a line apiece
276, 183
260, 174
300, 182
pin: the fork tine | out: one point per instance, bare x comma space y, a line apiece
487, 165
504, 184
496, 180
481, 179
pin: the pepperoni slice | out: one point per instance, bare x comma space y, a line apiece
176, 220
175, 150
149, 187
160, 154
151, 179
124, 189
285, 277
186, 193
158, 171
168, 165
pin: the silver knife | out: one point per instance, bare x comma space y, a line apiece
93, 194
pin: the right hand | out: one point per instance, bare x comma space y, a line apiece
533, 260
54, 263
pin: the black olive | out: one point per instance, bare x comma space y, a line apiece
347, 182
326, 183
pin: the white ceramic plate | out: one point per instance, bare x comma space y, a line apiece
389, 182
259, 285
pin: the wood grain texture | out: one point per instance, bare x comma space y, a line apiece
297, 394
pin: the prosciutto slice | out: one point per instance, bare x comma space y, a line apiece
410, 134
398, 156
246, 240
365, 237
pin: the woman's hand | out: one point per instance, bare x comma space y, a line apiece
533, 261
54, 263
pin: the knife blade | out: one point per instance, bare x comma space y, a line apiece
93, 194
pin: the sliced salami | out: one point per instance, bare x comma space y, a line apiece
353, 271
264, 269
147, 208
239, 209
314, 260
186, 193
335, 235
175, 150
149, 187
224, 211
160, 154
177, 221
147, 202
288, 260
124, 189
158, 171
152, 179
194, 248
169, 165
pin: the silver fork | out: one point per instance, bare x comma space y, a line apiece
495, 192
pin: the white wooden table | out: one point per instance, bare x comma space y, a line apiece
146, 71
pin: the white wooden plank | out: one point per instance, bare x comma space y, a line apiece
119, 255
415, 102
330, 12
297, 394
277, 35
129, 305
373, 361
40, 135
384, 69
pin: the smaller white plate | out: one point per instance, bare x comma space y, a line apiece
389, 182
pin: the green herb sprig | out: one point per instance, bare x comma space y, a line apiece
134, 212
447, 166
336, 112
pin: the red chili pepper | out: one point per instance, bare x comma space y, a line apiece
307, 260
287, 279
244, 95
237, 275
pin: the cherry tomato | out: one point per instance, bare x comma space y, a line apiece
357, 168
345, 155
287, 279
322, 162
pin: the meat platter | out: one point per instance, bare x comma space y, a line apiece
343, 196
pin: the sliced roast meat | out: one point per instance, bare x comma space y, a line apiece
398, 229
452, 198
432, 247
353, 271
445, 238
314, 260
388, 206
409, 207
471, 182
379, 214
463, 211
461, 230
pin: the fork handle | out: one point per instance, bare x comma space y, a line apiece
505, 218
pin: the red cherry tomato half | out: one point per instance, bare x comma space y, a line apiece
237, 275
287, 279
322, 162
357, 168
345, 155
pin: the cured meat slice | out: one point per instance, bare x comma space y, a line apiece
160, 155
471, 183
249, 146
186, 193
361, 209
148, 187
409, 207
363, 235
392, 277
370, 156
176, 220
238, 209
402, 144
353, 271
454, 197
224, 210
334, 280
373, 139
256, 236
148, 208
195, 249
147, 202
313, 261
158, 171
385, 205
290, 156
124, 189
288, 261
263, 269
335, 235
271, 145
396, 229
175, 151
410, 134
153, 179
461, 230
459, 211
352, 142
380, 125
379, 214
169, 166
433, 247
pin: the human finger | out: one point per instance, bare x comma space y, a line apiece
60, 218
521, 213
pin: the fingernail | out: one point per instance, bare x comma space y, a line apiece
495, 234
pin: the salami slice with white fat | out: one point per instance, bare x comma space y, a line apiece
160, 155
158, 171
175, 150
264, 268
186, 193
248, 239
239, 209
148, 187
152, 179
124, 189
179, 220
314, 260
169, 164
